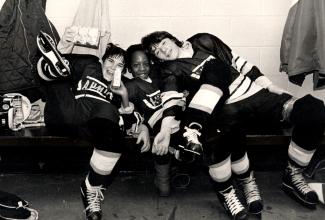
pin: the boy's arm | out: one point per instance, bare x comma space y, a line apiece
172, 102
246, 68
220, 50
172, 98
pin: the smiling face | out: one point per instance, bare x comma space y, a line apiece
166, 50
110, 64
139, 65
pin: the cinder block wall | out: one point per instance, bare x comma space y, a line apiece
253, 28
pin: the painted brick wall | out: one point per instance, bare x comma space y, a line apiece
253, 28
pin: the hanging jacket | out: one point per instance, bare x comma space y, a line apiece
20, 22
303, 42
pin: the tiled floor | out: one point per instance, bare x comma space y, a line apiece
132, 196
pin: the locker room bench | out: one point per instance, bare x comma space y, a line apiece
268, 151
41, 137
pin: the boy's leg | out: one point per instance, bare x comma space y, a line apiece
106, 136
206, 102
217, 152
99, 177
307, 115
240, 167
162, 176
221, 175
232, 122
61, 106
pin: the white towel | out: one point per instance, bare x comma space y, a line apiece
91, 14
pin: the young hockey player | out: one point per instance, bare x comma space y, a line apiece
145, 93
80, 100
225, 93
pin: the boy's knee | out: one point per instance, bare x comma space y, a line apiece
105, 134
308, 110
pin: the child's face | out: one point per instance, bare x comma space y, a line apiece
139, 66
166, 50
110, 65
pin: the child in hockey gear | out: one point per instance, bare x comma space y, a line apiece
144, 92
85, 105
225, 93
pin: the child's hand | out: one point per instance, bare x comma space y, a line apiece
144, 137
161, 142
121, 91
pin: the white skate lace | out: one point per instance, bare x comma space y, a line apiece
192, 135
232, 202
94, 197
50, 40
250, 189
299, 181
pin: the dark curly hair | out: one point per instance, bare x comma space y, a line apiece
156, 37
113, 50
131, 50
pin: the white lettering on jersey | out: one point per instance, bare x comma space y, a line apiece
196, 72
95, 87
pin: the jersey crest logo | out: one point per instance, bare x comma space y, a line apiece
153, 100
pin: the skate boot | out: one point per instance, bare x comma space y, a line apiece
52, 56
252, 194
92, 196
191, 138
295, 185
231, 203
162, 179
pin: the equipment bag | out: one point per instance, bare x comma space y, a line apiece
14, 110
14, 208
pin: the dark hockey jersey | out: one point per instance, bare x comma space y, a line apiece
88, 82
184, 73
146, 96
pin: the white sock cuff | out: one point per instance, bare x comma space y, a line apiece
103, 162
221, 172
240, 166
299, 155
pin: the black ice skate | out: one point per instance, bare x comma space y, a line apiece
295, 185
47, 46
252, 194
92, 196
191, 136
232, 204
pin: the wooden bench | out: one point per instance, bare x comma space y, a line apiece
268, 149
41, 137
